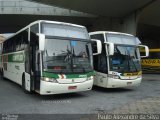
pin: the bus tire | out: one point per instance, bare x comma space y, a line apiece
24, 85
2, 74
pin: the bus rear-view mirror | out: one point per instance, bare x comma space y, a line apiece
110, 48
144, 51
41, 41
96, 47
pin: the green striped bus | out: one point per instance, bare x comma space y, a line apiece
49, 57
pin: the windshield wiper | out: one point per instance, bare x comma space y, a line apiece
69, 55
73, 54
127, 62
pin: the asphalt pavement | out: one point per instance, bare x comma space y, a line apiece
142, 99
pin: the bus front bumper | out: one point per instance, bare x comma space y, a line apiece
117, 83
48, 88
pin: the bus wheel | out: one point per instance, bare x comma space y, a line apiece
24, 85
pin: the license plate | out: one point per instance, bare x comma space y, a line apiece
72, 87
129, 83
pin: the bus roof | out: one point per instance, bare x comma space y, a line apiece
45, 21
109, 32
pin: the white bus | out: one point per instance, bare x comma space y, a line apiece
50, 58
1, 65
119, 64
2, 38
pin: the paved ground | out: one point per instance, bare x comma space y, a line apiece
143, 99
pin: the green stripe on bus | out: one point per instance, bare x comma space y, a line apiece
80, 75
50, 75
14, 57
68, 76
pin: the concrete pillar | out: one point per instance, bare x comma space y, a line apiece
127, 24
130, 23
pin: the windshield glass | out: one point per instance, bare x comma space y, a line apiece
125, 59
63, 30
122, 39
66, 56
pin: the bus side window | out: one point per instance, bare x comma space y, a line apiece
37, 61
94, 47
3, 49
98, 37
23, 43
100, 62
17, 46
7, 49
0, 48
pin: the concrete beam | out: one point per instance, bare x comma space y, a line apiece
13, 23
108, 8
31, 8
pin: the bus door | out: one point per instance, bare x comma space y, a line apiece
35, 62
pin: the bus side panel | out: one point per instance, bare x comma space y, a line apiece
100, 79
14, 72
1, 66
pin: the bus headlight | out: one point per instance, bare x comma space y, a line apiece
50, 80
113, 76
116, 77
139, 76
90, 78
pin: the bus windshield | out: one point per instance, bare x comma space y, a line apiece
67, 56
125, 59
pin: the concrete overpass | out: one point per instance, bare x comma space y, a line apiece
15, 14
138, 17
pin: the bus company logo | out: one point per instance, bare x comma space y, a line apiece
128, 74
18, 57
151, 61
132, 74
82, 76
